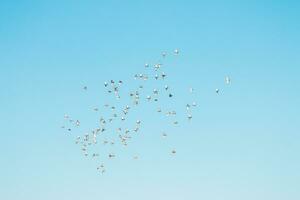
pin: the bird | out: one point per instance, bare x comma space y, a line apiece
176, 51
188, 106
227, 80
111, 156
148, 98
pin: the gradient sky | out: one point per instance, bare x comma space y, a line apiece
242, 144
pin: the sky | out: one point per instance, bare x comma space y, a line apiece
241, 144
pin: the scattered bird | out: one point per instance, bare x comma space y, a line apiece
110, 132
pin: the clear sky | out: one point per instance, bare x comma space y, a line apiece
242, 144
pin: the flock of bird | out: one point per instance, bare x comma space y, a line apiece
119, 134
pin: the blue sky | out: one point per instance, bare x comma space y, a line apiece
241, 144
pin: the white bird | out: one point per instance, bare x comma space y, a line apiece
227, 80
157, 66
176, 51
217, 91
188, 106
